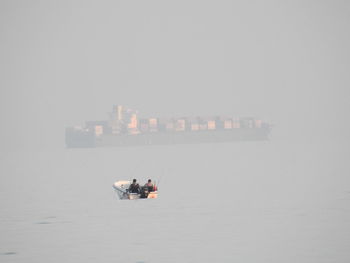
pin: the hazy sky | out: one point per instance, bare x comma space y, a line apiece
64, 62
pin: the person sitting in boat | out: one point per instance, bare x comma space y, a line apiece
134, 187
150, 186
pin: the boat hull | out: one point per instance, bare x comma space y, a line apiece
121, 189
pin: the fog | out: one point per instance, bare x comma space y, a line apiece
284, 200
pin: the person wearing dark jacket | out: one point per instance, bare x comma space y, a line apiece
150, 185
134, 187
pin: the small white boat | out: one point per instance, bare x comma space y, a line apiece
122, 189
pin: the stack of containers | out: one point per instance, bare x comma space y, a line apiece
169, 125
162, 124
219, 122
194, 124
251, 123
153, 125
236, 124
228, 124
180, 125
211, 125
258, 123
144, 127
203, 124
133, 124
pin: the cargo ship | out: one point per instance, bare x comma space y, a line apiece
125, 128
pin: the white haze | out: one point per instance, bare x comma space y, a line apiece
284, 200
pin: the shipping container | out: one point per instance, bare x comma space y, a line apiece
211, 125
98, 130
236, 124
203, 126
153, 125
258, 123
219, 123
144, 126
194, 127
180, 125
228, 124
170, 126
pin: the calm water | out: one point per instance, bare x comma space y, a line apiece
236, 202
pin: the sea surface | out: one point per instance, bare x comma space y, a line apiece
275, 201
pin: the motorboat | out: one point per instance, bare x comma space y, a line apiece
122, 189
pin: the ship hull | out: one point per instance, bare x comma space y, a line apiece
167, 138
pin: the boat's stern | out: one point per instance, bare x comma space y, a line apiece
153, 195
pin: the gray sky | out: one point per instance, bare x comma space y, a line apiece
285, 200
64, 62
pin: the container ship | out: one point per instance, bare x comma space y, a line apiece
125, 128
